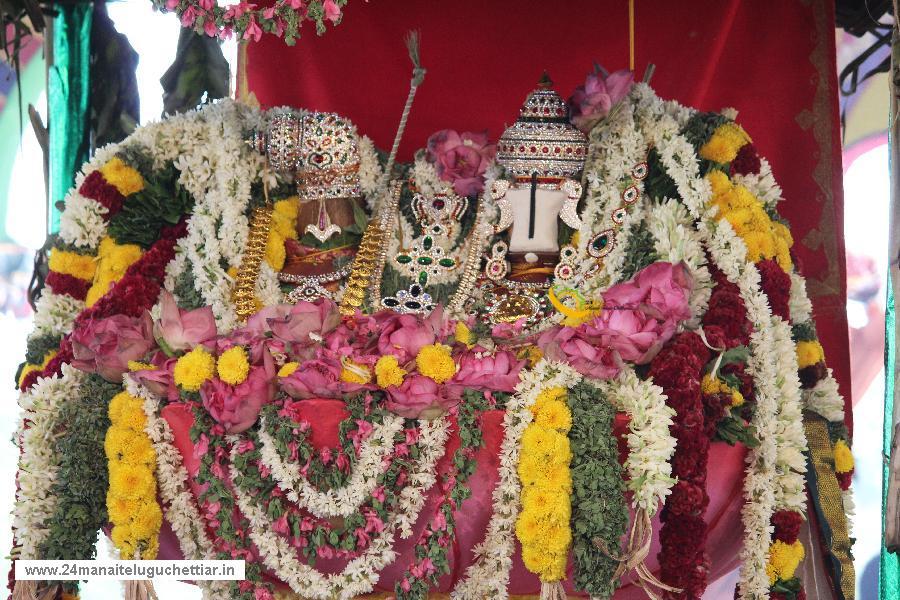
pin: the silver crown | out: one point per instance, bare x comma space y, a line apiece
542, 140
320, 149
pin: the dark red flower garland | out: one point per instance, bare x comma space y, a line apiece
136, 292
776, 285
97, 188
684, 564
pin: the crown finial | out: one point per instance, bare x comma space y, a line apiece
545, 82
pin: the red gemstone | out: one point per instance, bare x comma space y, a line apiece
438, 204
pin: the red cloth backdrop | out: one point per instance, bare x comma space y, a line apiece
773, 61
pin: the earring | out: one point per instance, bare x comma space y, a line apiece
498, 193
569, 212
497, 267
565, 269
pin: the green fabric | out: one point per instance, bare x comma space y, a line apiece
32, 82
69, 100
889, 580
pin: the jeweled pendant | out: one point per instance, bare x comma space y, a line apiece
324, 228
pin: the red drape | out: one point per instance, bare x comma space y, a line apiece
773, 61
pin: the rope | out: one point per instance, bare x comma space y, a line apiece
412, 45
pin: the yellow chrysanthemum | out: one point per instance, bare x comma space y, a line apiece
120, 402
843, 457
542, 502
388, 371
535, 471
116, 439
547, 445
760, 245
131, 481
557, 538
434, 361
554, 415
725, 143
80, 266
529, 528
147, 521
195, 367
784, 560
114, 259
28, 368
535, 558
121, 536
284, 217
352, 372
549, 395
288, 368
464, 335
125, 179
233, 366
809, 353
139, 451
120, 508
275, 252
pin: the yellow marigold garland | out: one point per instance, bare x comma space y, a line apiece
135, 515
784, 560
125, 179
80, 266
112, 261
283, 226
543, 524
725, 143
713, 385
28, 368
763, 237
843, 457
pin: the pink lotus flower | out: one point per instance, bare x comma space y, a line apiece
582, 353
332, 11
497, 372
461, 159
404, 335
420, 397
105, 346
179, 330
297, 323
592, 102
236, 408
320, 378
159, 381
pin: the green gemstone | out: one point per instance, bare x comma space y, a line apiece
427, 242
425, 260
601, 242
403, 259
423, 278
447, 262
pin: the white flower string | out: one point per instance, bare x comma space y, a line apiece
39, 462
650, 445
374, 453
488, 575
361, 573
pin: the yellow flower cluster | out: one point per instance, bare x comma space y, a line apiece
843, 457
131, 500
80, 266
124, 178
763, 237
193, 368
725, 143
434, 361
352, 372
232, 366
283, 226
531, 353
809, 353
543, 525
463, 334
288, 368
28, 368
388, 371
112, 261
136, 365
784, 560
713, 385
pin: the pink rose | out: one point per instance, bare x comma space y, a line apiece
332, 11
420, 397
461, 159
237, 407
303, 320
591, 102
178, 330
498, 372
105, 346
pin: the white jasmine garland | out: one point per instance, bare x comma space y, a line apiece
370, 173
825, 399
762, 184
374, 454
82, 223
39, 462
488, 575
800, 305
361, 573
650, 445
54, 314
268, 288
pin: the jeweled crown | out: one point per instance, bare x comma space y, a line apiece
542, 140
320, 149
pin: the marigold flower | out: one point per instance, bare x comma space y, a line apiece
125, 179
131, 481
843, 457
352, 372
233, 366
784, 560
809, 353
193, 368
463, 334
80, 266
554, 415
388, 371
284, 217
725, 143
435, 362
120, 508
275, 252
